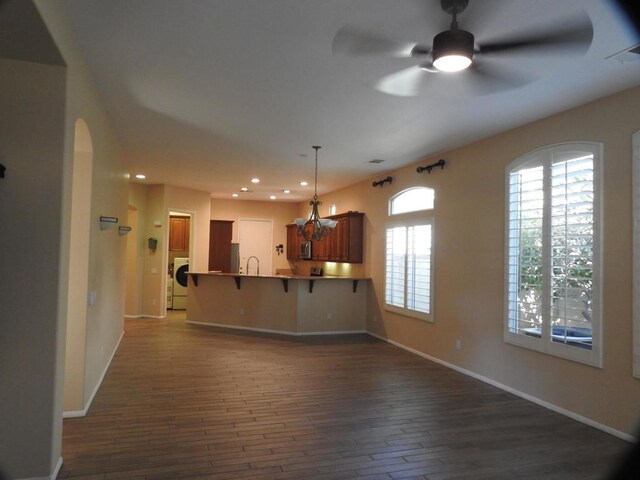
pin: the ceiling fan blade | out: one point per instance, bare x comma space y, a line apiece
351, 41
573, 35
486, 78
404, 83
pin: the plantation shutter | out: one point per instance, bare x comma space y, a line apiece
408, 266
552, 252
525, 234
396, 266
572, 235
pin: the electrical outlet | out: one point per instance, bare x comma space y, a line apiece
329, 316
458, 344
375, 317
242, 311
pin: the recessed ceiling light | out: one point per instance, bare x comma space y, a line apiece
244, 189
234, 194
141, 176
286, 191
272, 197
304, 184
255, 180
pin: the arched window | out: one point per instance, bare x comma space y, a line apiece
552, 257
412, 200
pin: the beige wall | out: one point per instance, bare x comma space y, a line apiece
153, 204
280, 213
469, 263
31, 148
40, 105
133, 286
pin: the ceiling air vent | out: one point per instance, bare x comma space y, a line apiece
376, 160
628, 55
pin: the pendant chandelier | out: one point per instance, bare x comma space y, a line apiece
315, 228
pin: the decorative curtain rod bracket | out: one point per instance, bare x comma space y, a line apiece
380, 183
440, 163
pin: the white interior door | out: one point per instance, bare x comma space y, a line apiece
256, 239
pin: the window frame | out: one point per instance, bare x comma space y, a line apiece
635, 142
544, 157
406, 191
410, 219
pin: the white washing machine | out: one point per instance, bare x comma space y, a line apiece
180, 278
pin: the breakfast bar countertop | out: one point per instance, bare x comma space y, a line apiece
280, 276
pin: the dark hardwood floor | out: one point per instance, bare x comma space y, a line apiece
183, 401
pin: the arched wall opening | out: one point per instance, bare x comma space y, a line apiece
75, 355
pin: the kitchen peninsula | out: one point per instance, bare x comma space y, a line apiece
287, 304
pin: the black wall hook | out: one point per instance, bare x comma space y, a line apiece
380, 183
440, 163
2, 169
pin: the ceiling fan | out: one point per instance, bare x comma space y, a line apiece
456, 50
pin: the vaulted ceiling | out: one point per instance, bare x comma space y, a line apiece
208, 94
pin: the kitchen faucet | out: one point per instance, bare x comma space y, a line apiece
258, 268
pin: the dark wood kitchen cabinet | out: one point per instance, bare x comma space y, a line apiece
220, 233
179, 234
344, 243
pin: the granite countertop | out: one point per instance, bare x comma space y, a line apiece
279, 276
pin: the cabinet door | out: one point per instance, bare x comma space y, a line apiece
342, 239
320, 249
220, 232
293, 243
353, 241
178, 234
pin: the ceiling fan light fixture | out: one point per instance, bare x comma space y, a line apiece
452, 63
453, 50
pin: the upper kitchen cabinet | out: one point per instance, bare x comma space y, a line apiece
220, 233
179, 234
293, 242
344, 243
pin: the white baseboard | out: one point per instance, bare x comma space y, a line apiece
53, 475
526, 396
83, 412
56, 470
278, 332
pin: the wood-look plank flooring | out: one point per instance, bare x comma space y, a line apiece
191, 402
